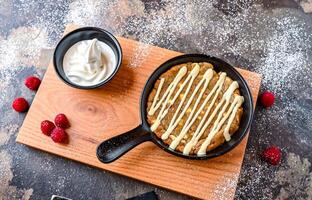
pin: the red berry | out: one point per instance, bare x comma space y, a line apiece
58, 135
20, 105
47, 127
267, 99
272, 155
61, 121
32, 82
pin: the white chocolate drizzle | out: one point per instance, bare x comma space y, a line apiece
168, 93
220, 110
191, 119
218, 124
198, 133
174, 122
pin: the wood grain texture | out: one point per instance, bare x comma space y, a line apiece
99, 114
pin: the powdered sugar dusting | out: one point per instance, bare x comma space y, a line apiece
7, 132
295, 178
286, 56
273, 42
226, 190
22, 47
292, 180
7, 191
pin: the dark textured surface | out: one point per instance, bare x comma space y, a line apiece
269, 37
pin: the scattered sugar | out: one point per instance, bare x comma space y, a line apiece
22, 47
275, 43
7, 132
7, 191
226, 190
292, 179
286, 54
295, 178
255, 176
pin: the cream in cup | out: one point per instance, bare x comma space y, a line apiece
89, 62
87, 58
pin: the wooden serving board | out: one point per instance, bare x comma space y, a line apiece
99, 114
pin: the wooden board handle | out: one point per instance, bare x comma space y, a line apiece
111, 149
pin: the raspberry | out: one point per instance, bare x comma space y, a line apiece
267, 99
20, 105
58, 135
61, 121
32, 82
272, 155
47, 127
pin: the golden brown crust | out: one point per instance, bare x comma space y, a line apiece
169, 76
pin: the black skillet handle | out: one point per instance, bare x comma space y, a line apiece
113, 148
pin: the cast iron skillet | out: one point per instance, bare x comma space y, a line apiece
113, 148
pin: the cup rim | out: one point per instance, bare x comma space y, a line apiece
86, 29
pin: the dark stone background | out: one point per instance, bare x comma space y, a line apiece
26, 172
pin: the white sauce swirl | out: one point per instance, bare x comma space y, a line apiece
89, 62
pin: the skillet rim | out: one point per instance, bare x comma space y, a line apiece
226, 146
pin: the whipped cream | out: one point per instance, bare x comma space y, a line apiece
89, 62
